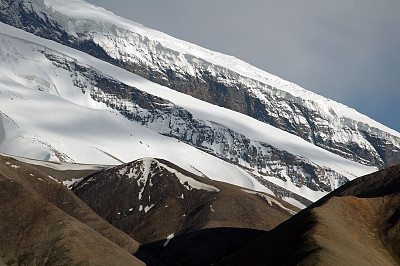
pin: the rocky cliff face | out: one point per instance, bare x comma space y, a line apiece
314, 119
170, 120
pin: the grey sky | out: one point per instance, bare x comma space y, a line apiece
346, 50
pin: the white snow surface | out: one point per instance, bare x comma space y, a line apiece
294, 202
271, 200
60, 166
86, 132
169, 237
189, 182
71, 183
60, 118
80, 10
148, 208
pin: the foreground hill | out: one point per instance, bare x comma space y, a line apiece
44, 223
358, 224
177, 216
180, 217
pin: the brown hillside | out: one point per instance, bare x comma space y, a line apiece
358, 224
153, 200
43, 223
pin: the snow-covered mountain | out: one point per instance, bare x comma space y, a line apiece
124, 101
207, 75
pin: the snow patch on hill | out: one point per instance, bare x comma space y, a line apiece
188, 182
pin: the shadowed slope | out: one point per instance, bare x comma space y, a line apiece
179, 215
43, 223
358, 224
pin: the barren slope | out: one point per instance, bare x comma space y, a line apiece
42, 222
358, 224
178, 215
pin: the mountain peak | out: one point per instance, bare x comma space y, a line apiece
130, 92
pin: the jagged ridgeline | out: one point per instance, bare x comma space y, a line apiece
271, 134
116, 139
167, 61
165, 118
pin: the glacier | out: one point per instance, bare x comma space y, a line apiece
53, 112
91, 87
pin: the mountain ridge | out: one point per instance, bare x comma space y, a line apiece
356, 224
278, 151
192, 157
314, 118
84, 93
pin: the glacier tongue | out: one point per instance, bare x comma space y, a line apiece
92, 135
219, 79
54, 103
61, 104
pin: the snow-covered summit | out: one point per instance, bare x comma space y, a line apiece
53, 108
64, 101
78, 10
210, 76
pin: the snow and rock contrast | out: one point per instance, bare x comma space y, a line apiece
176, 213
79, 100
210, 76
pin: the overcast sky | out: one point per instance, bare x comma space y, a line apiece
346, 50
